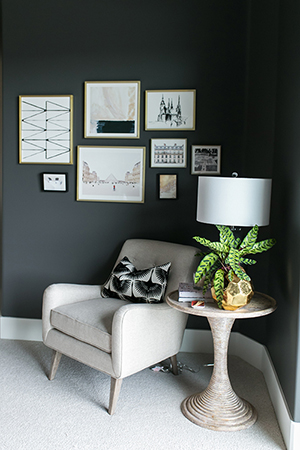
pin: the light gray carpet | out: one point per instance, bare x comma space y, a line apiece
70, 411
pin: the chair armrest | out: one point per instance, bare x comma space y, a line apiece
62, 294
144, 334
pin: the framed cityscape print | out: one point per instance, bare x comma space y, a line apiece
112, 109
206, 159
111, 174
168, 153
45, 129
167, 186
170, 110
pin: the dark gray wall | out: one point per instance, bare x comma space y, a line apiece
283, 327
260, 104
52, 48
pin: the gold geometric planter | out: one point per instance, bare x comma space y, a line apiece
238, 293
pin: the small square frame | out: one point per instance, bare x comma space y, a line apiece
168, 153
54, 182
206, 160
167, 186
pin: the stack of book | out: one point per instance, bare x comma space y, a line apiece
188, 292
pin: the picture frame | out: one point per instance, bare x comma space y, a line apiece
170, 109
54, 182
46, 129
206, 160
168, 153
111, 174
112, 109
167, 186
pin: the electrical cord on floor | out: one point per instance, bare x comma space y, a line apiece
168, 368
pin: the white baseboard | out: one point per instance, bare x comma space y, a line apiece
21, 329
196, 341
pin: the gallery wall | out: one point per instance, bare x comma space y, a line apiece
52, 48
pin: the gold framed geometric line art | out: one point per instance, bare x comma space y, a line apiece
111, 174
112, 109
46, 129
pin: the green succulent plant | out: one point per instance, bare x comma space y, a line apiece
227, 257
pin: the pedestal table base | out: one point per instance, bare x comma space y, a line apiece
218, 407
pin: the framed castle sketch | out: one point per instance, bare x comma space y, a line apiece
45, 129
111, 174
170, 110
168, 153
167, 186
206, 159
112, 109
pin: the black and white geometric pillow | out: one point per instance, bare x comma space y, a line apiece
138, 286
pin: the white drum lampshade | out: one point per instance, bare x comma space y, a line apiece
234, 201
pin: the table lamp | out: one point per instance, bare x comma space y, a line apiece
228, 203
234, 201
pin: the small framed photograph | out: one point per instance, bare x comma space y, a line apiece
167, 186
112, 109
170, 110
45, 129
206, 159
55, 182
168, 153
111, 174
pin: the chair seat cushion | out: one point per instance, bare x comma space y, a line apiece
88, 321
138, 286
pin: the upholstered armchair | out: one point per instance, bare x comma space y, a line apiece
113, 335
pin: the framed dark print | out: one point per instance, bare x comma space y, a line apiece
45, 129
112, 109
167, 186
168, 153
206, 159
54, 182
111, 174
170, 110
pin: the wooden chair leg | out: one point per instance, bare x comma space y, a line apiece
174, 364
115, 387
54, 365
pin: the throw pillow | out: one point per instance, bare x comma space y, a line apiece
138, 286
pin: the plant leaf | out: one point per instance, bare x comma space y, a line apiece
226, 235
202, 241
250, 238
262, 246
219, 286
248, 261
206, 284
230, 275
236, 243
215, 246
234, 262
205, 266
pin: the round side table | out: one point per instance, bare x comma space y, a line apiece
218, 407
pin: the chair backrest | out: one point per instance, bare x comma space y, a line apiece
145, 253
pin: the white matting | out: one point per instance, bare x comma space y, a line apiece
197, 341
